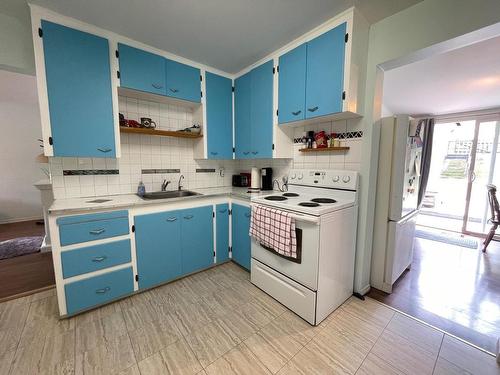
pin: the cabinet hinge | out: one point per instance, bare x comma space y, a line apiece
51, 141
214, 253
274, 70
273, 146
277, 111
201, 78
230, 249
230, 212
136, 277
213, 213
346, 37
118, 74
40, 32
117, 54
201, 94
343, 95
234, 149
232, 89
278, 68
133, 228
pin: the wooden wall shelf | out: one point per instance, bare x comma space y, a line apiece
324, 149
164, 133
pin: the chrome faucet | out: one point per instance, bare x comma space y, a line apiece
180, 179
164, 185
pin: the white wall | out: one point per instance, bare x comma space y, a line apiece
403, 35
20, 129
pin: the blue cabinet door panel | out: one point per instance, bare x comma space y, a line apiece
197, 238
83, 294
93, 258
325, 73
261, 111
219, 116
222, 237
292, 85
241, 239
183, 81
242, 123
158, 247
141, 70
79, 92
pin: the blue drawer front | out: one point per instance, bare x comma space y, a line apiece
93, 258
84, 228
94, 291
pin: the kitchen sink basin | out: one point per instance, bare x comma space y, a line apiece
169, 194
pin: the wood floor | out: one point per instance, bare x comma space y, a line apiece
25, 273
454, 288
217, 322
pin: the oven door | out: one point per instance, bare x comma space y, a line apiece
305, 272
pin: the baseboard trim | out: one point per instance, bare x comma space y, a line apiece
20, 219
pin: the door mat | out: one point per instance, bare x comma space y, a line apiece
447, 237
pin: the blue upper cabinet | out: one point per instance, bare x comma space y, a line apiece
261, 111
197, 238
219, 99
325, 73
78, 78
292, 85
242, 123
222, 233
158, 247
141, 70
183, 81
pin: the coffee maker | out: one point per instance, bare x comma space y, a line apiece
267, 179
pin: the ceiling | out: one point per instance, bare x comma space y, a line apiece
462, 80
226, 34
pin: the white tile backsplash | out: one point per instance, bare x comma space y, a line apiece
152, 152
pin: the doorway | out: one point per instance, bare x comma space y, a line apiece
463, 162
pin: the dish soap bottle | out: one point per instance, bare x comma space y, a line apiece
141, 189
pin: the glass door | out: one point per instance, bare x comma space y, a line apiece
484, 170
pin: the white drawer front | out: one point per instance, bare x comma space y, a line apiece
296, 297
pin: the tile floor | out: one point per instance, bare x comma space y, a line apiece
216, 322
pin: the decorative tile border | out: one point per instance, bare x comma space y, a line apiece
89, 172
205, 170
154, 171
346, 135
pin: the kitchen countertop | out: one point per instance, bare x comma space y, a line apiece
132, 200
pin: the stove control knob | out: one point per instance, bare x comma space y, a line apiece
346, 179
301, 176
335, 178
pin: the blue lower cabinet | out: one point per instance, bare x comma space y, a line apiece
197, 238
87, 293
241, 239
93, 258
158, 247
222, 237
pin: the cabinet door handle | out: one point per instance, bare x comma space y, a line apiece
246, 152
223, 210
105, 150
99, 259
103, 290
296, 113
174, 90
247, 214
313, 109
255, 152
156, 86
98, 231
213, 153
188, 217
170, 219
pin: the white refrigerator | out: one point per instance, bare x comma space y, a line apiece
396, 205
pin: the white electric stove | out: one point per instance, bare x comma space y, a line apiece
324, 206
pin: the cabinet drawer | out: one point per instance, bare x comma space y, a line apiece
94, 291
93, 258
84, 228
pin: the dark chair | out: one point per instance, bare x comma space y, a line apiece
495, 214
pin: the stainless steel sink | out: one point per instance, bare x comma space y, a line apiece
169, 194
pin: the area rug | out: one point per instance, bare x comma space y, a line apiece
447, 237
20, 246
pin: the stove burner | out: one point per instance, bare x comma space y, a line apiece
308, 204
275, 198
323, 200
290, 195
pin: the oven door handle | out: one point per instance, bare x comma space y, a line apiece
309, 219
